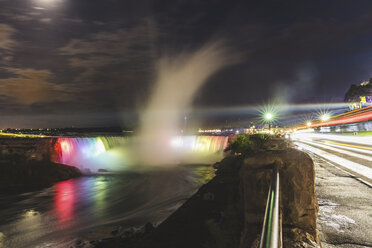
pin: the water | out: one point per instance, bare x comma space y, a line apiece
120, 153
88, 207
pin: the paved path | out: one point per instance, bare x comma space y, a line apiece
345, 207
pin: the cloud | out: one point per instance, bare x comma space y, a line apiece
105, 48
301, 86
93, 61
46, 20
31, 86
7, 43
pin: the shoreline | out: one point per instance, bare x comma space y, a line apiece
20, 175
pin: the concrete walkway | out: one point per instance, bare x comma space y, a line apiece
345, 207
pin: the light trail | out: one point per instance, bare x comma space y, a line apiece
355, 146
344, 171
352, 154
256, 109
350, 165
360, 115
365, 140
351, 149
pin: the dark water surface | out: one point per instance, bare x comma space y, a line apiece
89, 207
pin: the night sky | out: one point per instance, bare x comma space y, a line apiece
92, 63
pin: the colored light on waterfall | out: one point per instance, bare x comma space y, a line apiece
100, 147
65, 146
201, 146
176, 142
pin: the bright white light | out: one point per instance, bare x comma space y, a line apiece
308, 124
360, 140
330, 147
358, 168
176, 142
268, 116
100, 147
325, 117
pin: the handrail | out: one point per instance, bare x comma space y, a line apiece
271, 236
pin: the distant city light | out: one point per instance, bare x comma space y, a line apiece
210, 130
308, 123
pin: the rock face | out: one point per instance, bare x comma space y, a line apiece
298, 201
26, 175
229, 210
28, 148
213, 217
25, 163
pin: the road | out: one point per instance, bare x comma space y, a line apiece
343, 166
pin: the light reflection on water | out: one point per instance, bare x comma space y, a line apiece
64, 201
55, 216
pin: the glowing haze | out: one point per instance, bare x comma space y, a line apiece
178, 79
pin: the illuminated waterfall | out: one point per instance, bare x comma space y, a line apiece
114, 153
89, 153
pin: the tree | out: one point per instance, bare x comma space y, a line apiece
241, 145
355, 92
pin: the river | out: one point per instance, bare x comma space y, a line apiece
88, 208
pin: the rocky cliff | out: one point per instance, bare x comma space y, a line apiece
25, 163
229, 210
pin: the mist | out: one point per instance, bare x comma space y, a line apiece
178, 80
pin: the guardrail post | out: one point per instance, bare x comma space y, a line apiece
271, 235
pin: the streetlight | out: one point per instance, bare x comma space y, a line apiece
268, 117
308, 123
325, 117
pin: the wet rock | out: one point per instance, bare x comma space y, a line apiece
211, 218
86, 171
116, 231
31, 174
208, 196
149, 227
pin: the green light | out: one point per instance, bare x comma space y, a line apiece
268, 116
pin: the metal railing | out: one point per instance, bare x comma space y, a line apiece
271, 235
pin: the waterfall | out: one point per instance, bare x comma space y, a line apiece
115, 153
89, 153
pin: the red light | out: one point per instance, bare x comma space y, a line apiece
65, 145
64, 201
367, 116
